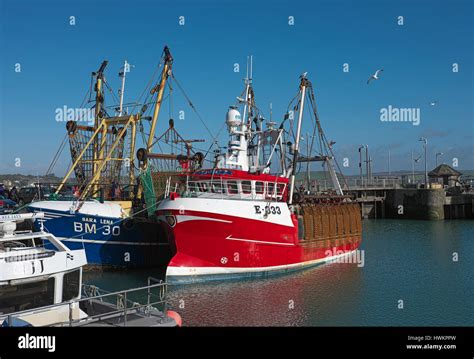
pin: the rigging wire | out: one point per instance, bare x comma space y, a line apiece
111, 91
323, 136
193, 107
57, 155
148, 85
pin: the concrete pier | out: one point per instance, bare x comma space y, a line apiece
413, 203
461, 206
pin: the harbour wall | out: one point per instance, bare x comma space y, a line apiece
415, 203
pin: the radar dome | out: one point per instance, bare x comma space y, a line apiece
233, 118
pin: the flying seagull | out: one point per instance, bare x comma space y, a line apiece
433, 103
374, 76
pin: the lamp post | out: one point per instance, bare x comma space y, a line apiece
413, 161
367, 171
425, 144
370, 168
439, 154
361, 147
389, 167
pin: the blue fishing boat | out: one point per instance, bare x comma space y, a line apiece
109, 236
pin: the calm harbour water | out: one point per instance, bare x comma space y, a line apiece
404, 260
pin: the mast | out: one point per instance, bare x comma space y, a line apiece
240, 129
303, 85
165, 73
282, 151
308, 149
247, 94
99, 100
123, 74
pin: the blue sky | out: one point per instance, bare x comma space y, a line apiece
57, 59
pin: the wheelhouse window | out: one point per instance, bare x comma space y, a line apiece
203, 186
281, 188
259, 187
232, 187
246, 187
14, 298
193, 187
217, 187
71, 285
270, 189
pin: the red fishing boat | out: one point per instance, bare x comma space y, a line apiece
245, 217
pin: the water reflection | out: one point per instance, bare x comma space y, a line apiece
404, 260
312, 297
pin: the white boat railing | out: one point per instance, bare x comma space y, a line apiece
232, 189
354, 183
121, 305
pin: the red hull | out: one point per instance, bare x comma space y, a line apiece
210, 244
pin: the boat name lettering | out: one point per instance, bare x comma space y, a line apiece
106, 221
214, 172
106, 230
267, 210
89, 219
94, 220
30, 258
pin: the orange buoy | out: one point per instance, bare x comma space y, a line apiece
175, 316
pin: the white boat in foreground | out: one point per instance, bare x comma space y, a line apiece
32, 276
42, 287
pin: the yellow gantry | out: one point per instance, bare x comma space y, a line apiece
102, 152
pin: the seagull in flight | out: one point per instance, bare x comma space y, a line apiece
433, 103
374, 76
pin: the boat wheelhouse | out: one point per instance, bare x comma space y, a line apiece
236, 184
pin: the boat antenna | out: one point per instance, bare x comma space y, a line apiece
248, 86
251, 62
123, 73
247, 69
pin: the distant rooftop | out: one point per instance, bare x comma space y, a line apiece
444, 170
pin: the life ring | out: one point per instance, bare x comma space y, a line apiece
176, 317
297, 197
